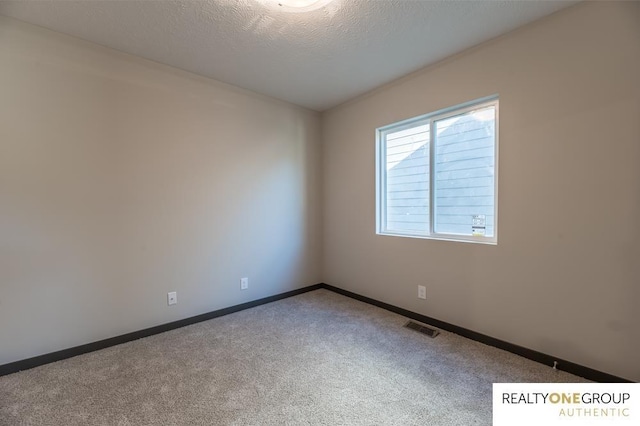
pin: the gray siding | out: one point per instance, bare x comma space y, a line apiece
408, 181
464, 174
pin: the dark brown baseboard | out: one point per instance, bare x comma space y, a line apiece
37, 361
569, 367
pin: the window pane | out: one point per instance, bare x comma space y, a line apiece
407, 180
464, 181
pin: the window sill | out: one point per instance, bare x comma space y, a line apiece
451, 238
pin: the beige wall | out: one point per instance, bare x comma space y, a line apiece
121, 180
564, 278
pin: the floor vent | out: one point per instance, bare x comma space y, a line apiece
431, 332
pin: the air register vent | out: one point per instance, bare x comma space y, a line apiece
431, 332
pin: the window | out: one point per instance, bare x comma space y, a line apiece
437, 174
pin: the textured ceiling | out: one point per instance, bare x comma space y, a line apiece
317, 59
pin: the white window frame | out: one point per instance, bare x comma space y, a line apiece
381, 172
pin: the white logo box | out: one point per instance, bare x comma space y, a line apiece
566, 404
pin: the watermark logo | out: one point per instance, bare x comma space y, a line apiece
551, 404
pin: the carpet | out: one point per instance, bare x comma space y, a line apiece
318, 358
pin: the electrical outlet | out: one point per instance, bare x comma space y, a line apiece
244, 283
172, 298
422, 292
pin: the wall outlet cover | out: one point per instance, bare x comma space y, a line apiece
422, 292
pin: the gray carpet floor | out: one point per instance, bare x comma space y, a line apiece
314, 359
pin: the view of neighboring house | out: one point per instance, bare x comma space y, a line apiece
464, 175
